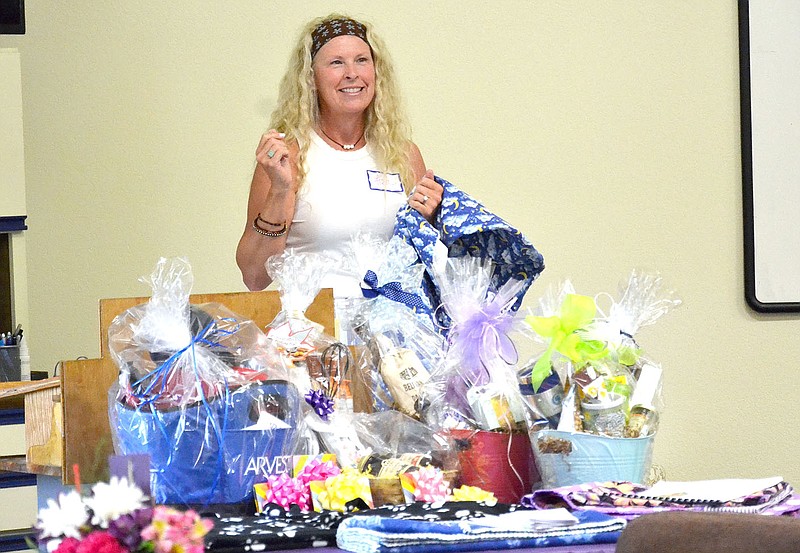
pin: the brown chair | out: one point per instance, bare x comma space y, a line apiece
695, 532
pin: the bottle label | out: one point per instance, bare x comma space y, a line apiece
404, 375
492, 408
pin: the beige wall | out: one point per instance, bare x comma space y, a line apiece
12, 175
608, 132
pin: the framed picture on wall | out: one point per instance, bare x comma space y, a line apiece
769, 60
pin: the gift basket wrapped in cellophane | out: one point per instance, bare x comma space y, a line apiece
398, 344
404, 460
199, 391
317, 362
473, 394
593, 396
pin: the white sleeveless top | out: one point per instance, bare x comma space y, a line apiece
343, 193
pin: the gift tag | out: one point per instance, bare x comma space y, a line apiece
134, 468
292, 337
528, 519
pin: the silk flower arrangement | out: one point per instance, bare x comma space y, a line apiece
117, 518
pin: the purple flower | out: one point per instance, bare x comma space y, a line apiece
128, 528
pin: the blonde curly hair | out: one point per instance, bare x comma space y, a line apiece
386, 127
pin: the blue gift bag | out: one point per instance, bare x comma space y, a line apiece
213, 451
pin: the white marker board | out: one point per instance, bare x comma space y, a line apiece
769, 53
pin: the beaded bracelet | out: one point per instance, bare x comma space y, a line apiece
265, 232
269, 222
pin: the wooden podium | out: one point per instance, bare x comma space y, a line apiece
66, 417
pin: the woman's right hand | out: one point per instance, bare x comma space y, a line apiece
272, 197
273, 156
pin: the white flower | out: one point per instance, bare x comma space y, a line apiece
63, 518
112, 500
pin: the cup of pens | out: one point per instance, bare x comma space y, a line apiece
10, 366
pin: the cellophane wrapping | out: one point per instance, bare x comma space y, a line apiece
406, 459
475, 385
317, 363
199, 391
473, 397
591, 343
611, 393
399, 345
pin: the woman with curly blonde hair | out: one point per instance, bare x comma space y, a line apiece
339, 157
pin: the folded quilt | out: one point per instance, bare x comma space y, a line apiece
275, 529
466, 227
449, 527
621, 499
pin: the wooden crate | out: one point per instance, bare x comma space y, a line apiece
41, 400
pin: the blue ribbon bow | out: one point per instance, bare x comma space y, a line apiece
159, 378
391, 290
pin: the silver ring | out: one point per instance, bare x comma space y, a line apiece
271, 154
424, 199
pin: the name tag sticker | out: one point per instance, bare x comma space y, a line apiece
385, 182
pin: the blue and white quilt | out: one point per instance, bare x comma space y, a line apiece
466, 227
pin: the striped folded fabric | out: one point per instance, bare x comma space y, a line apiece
426, 527
630, 500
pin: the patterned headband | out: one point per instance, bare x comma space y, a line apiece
332, 28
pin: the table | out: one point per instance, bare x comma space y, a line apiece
591, 548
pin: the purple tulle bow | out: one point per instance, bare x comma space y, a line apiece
481, 340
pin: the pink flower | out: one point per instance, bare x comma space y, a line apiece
100, 542
67, 545
173, 531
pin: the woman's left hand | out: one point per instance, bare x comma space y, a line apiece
427, 196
